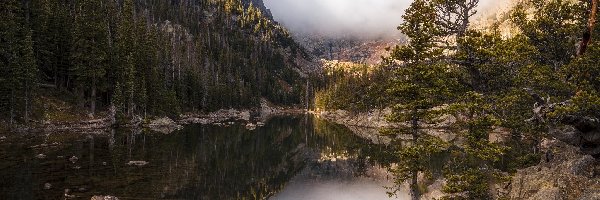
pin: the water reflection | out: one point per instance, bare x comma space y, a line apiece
199, 162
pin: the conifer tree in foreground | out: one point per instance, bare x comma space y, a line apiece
420, 84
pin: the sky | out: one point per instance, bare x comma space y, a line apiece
361, 18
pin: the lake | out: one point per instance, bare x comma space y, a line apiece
290, 157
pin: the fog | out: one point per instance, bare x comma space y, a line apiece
359, 18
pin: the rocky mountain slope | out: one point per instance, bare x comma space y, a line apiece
260, 5
346, 49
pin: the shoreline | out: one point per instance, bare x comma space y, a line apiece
253, 117
566, 172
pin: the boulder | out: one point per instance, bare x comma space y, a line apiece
47, 186
73, 159
564, 173
164, 125
251, 126
578, 130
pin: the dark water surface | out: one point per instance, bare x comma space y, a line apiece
288, 158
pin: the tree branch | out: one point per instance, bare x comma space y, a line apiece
587, 35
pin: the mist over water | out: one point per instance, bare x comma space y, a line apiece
356, 18
337, 187
336, 190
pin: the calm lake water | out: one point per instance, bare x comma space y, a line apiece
292, 157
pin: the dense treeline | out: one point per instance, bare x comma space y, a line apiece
353, 87
485, 80
144, 56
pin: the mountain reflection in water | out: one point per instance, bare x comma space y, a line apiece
290, 155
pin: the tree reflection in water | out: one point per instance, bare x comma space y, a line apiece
199, 162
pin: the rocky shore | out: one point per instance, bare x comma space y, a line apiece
368, 124
565, 172
370, 119
365, 125
105, 121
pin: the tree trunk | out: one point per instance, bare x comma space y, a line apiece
131, 107
587, 35
476, 79
93, 97
12, 107
81, 97
26, 114
307, 95
415, 124
414, 186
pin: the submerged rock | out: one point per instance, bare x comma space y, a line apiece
40, 156
138, 163
73, 159
68, 195
108, 197
47, 186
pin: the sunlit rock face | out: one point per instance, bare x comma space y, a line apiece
564, 173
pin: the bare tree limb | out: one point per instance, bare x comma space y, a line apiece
587, 35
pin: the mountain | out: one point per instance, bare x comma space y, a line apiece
346, 49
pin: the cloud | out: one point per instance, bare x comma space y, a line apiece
367, 18
359, 18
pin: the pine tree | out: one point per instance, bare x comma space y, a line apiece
126, 47
552, 27
470, 171
18, 77
418, 90
90, 48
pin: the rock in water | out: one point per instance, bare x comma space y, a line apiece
137, 163
73, 159
108, 197
164, 125
47, 186
250, 126
67, 195
40, 156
